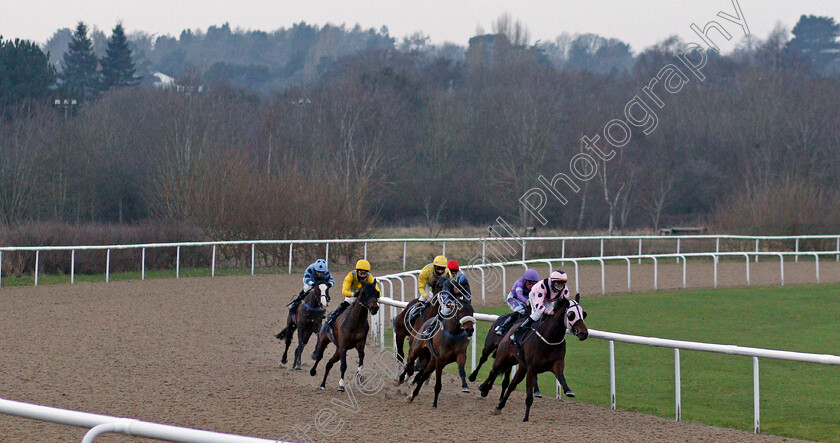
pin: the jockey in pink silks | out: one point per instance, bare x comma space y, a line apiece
543, 297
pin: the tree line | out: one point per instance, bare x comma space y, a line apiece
411, 135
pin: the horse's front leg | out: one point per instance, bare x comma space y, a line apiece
462, 359
343, 369
318, 353
329, 366
558, 369
529, 392
520, 374
360, 349
485, 353
438, 382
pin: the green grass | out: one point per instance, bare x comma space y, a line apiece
798, 400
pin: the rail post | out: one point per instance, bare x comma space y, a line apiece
143, 264
108, 266
677, 392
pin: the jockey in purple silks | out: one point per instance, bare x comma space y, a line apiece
544, 295
517, 299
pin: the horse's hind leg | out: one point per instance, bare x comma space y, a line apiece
329, 366
286, 335
505, 384
537, 392
421, 377
558, 369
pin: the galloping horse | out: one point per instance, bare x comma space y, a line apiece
446, 345
491, 343
307, 319
543, 350
349, 330
404, 328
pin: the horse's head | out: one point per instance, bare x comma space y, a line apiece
459, 309
437, 286
368, 296
320, 291
573, 318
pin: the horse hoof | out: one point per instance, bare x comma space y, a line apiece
312, 372
314, 356
409, 399
397, 382
497, 411
525, 420
537, 394
283, 361
471, 377
321, 387
465, 389
570, 394
341, 389
297, 367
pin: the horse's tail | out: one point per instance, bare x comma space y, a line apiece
282, 334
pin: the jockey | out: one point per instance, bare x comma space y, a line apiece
430, 274
458, 284
457, 287
518, 300
543, 297
316, 274
352, 283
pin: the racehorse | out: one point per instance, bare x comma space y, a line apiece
491, 343
349, 330
448, 343
543, 350
307, 320
404, 328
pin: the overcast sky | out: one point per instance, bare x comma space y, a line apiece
638, 22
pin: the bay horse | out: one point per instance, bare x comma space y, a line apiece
349, 330
543, 350
491, 343
448, 343
307, 320
403, 327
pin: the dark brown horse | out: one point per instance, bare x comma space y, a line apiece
446, 345
307, 320
349, 331
543, 350
403, 327
491, 343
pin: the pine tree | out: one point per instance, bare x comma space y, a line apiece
117, 66
25, 73
815, 38
79, 72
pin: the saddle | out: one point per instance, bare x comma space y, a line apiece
430, 328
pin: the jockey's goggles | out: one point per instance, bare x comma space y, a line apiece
439, 269
530, 282
361, 272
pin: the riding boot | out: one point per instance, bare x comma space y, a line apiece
295, 303
500, 330
334, 314
516, 337
419, 308
427, 331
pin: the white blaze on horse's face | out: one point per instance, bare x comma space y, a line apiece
575, 312
323, 300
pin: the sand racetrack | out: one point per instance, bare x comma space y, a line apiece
201, 353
